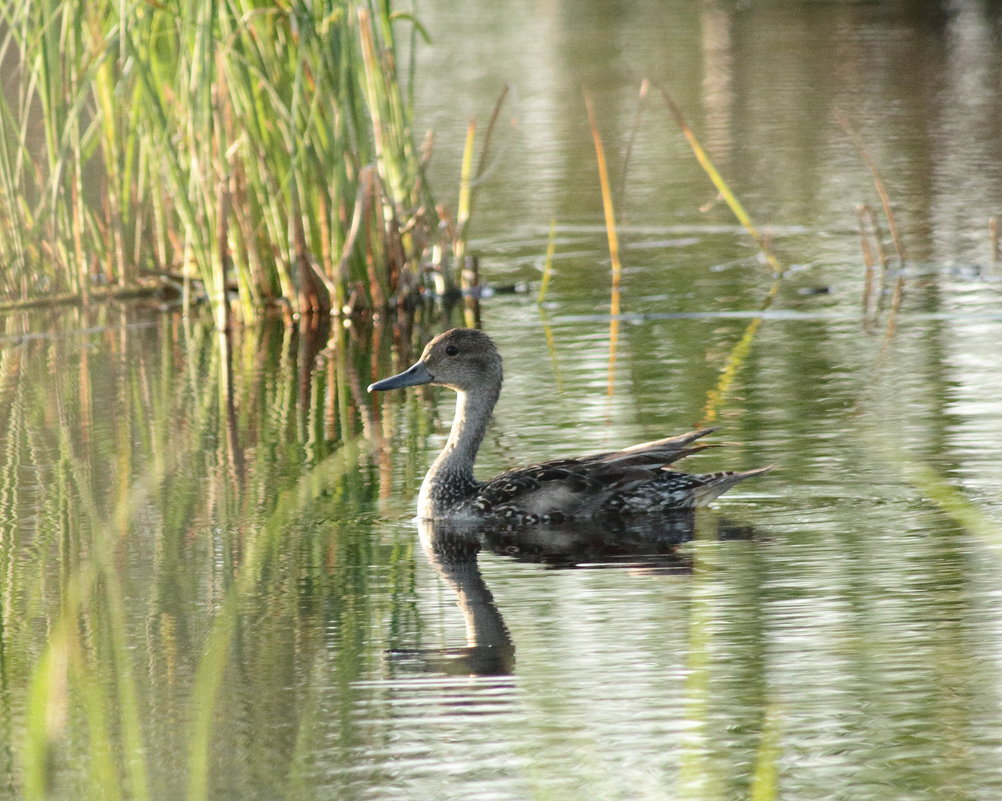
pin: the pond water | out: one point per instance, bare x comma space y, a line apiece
211, 582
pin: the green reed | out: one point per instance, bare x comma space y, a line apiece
228, 147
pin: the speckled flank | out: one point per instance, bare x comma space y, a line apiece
451, 489
615, 485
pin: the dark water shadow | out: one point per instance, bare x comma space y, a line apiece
649, 546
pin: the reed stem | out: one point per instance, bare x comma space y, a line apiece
718, 181
613, 237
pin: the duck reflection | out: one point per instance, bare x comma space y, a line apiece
489, 650
650, 547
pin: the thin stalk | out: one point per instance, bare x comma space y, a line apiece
13, 217
469, 182
741, 349
718, 181
899, 247
645, 87
484, 166
607, 206
375, 255
877, 238
465, 197
868, 260
878, 181
613, 238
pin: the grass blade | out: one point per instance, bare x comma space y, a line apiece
718, 181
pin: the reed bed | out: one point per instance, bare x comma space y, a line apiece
248, 155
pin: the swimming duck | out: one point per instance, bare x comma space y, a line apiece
637, 480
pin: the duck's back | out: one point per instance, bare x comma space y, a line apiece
633, 481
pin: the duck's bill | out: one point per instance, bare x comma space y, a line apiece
411, 377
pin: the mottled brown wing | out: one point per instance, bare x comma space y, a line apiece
654, 454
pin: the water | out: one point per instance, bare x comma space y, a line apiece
211, 582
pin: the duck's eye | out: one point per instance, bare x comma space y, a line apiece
451, 350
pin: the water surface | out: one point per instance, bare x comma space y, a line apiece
211, 582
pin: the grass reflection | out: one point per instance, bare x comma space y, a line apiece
166, 558
727, 748
197, 604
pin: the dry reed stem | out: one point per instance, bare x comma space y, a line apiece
868, 262
465, 195
878, 182
469, 182
483, 165
363, 200
607, 206
738, 354
718, 181
892, 321
899, 247
876, 239
613, 237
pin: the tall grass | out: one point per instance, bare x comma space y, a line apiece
252, 154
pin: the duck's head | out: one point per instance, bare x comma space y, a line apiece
462, 359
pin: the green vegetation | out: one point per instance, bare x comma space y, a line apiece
252, 154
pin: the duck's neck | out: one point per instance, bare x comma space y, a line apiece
450, 476
473, 413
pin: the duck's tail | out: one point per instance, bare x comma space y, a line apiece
716, 484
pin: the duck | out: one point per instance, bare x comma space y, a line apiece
636, 481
